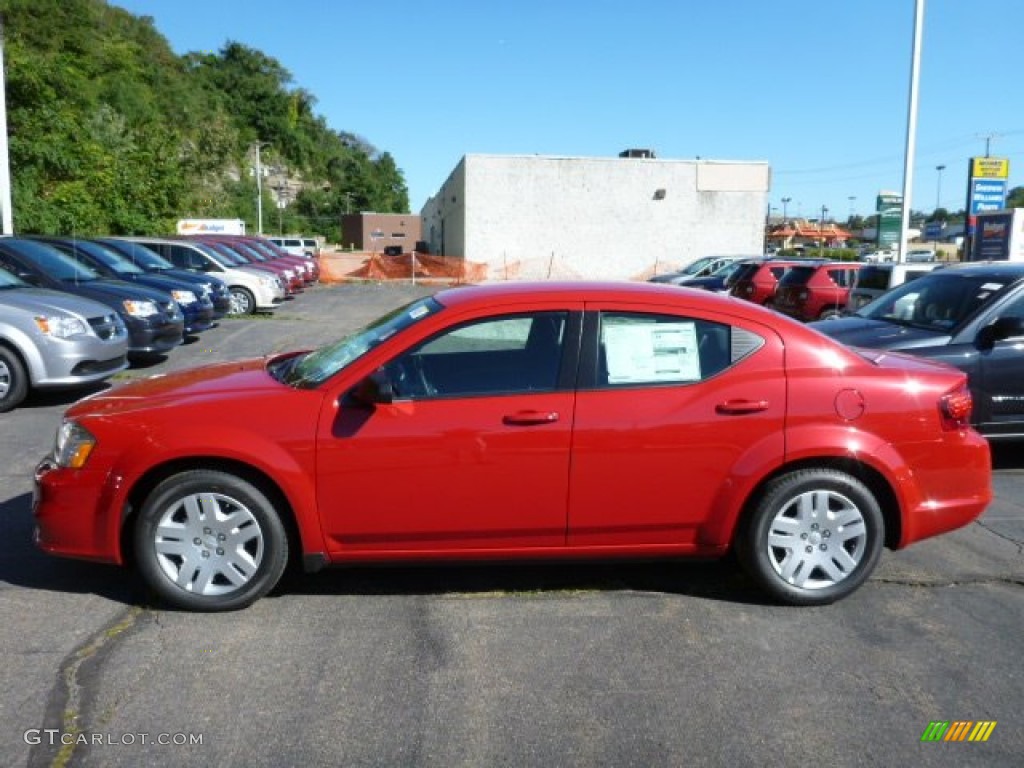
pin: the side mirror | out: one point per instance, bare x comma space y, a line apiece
999, 329
374, 389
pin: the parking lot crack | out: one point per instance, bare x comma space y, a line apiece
66, 710
1016, 542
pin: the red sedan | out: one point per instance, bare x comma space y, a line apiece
573, 420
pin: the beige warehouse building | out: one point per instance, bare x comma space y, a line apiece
539, 217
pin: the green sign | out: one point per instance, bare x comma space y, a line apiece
889, 207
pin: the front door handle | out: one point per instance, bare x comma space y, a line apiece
528, 418
733, 407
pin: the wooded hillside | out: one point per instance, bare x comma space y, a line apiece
111, 132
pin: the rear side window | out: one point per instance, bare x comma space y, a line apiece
841, 276
641, 349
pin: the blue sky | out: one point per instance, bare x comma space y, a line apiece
817, 89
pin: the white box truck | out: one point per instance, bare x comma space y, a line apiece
211, 227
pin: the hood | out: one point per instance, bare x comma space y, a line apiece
36, 300
856, 331
232, 382
113, 292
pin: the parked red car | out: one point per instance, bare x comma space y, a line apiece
757, 280
816, 291
522, 421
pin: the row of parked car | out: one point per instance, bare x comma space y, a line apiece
970, 316
805, 288
76, 311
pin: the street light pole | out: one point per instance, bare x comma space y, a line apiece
259, 187
938, 186
785, 215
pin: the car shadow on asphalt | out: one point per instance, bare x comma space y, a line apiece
720, 580
23, 564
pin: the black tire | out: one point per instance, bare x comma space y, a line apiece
209, 541
242, 301
13, 380
813, 537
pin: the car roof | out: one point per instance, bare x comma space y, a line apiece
1006, 270
594, 290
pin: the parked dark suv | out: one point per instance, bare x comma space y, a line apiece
816, 290
967, 315
145, 258
196, 308
153, 319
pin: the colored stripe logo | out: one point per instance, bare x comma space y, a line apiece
958, 730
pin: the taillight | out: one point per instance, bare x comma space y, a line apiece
955, 408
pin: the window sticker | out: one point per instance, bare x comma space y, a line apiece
418, 312
651, 352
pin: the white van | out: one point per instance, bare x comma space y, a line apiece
297, 246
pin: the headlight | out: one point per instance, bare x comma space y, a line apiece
74, 444
61, 326
289, 273
268, 281
184, 297
140, 308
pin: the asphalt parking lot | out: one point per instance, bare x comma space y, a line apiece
640, 664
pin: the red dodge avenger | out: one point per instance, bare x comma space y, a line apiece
554, 420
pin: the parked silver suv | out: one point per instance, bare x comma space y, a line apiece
50, 339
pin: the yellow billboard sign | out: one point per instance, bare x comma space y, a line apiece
990, 168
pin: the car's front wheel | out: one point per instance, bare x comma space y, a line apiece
209, 541
242, 301
13, 380
813, 537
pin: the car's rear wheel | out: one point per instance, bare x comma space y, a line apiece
242, 301
209, 541
813, 537
13, 380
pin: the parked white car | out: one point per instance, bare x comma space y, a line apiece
251, 289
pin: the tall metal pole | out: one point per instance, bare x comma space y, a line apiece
259, 190
908, 158
5, 162
938, 187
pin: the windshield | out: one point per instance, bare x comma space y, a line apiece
217, 256
140, 254
939, 301
7, 280
53, 263
311, 370
109, 258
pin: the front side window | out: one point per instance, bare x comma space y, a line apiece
492, 356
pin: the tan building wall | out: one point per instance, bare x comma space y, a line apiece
604, 218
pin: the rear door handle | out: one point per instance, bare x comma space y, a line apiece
741, 406
527, 418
